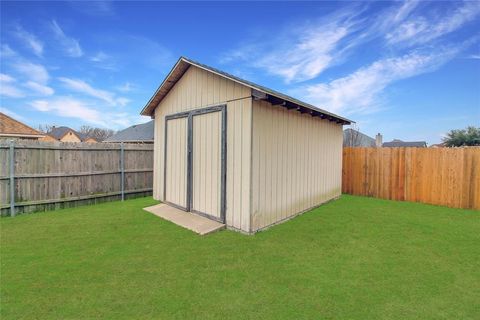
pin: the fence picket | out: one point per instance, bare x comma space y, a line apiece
441, 176
54, 175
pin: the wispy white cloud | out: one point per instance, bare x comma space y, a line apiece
474, 56
9, 88
103, 61
99, 57
30, 40
94, 8
360, 91
6, 78
126, 87
122, 101
406, 8
85, 88
69, 107
123, 120
11, 91
32, 76
39, 88
309, 56
419, 29
70, 45
6, 51
302, 52
103, 7
413, 34
32, 71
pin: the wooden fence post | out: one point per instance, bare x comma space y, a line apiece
26, 165
12, 178
122, 169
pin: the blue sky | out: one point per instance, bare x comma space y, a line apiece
410, 70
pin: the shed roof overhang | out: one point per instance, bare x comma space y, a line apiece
258, 92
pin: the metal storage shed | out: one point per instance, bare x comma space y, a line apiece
238, 152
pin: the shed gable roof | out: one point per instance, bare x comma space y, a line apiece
273, 96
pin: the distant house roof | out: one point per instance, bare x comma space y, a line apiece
10, 127
273, 96
136, 133
400, 143
59, 132
354, 138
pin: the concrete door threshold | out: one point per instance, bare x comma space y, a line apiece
188, 220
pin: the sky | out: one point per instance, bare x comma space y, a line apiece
409, 70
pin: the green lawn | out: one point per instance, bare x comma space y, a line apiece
354, 258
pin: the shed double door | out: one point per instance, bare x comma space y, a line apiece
195, 158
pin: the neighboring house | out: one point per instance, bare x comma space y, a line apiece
354, 138
238, 152
48, 138
66, 134
89, 139
396, 143
139, 133
14, 129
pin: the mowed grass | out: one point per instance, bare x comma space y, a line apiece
354, 258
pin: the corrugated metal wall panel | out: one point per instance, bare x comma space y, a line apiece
176, 183
296, 163
206, 163
199, 89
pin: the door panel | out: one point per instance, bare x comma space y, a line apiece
176, 162
207, 164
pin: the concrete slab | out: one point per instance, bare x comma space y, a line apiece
188, 220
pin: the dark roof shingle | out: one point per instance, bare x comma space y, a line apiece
136, 133
354, 138
399, 143
59, 132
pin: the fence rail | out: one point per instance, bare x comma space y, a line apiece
441, 176
38, 175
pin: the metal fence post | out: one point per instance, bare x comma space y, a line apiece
12, 178
122, 169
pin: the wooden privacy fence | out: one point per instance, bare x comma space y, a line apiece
441, 176
37, 175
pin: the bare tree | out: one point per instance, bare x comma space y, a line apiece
98, 134
45, 128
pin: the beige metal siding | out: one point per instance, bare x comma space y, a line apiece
206, 163
176, 153
296, 163
198, 89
